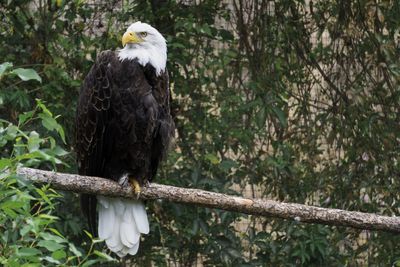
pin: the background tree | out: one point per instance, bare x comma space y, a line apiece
291, 100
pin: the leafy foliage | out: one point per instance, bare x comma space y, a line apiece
31, 235
292, 100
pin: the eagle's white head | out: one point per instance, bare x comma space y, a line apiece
145, 43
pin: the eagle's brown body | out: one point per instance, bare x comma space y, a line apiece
123, 123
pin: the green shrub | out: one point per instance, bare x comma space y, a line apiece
30, 235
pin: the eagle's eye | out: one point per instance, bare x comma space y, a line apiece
143, 34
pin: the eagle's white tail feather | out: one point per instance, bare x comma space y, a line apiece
140, 216
106, 219
129, 235
121, 222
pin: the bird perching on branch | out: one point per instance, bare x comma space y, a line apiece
123, 131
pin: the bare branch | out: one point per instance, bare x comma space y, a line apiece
261, 207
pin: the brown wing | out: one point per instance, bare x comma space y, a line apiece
91, 124
165, 129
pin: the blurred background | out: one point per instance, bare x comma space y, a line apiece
296, 101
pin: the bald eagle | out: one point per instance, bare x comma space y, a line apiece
123, 130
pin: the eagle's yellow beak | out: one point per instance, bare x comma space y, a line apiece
130, 37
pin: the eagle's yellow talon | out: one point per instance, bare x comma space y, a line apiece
135, 186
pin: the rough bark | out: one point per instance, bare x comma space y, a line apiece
261, 207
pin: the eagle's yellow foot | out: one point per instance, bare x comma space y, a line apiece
135, 186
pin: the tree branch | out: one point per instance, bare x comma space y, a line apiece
261, 207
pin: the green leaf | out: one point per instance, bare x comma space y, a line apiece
24, 230
51, 124
52, 142
4, 67
30, 264
59, 151
25, 116
212, 158
12, 132
50, 245
51, 237
47, 216
60, 131
56, 232
48, 122
9, 212
52, 260
44, 197
103, 255
43, 107
59, 254
74, 250
227, 164
90, 263
97, 240
27, 74
24, 252
88, 234
206, 29
12, 204
34, 141
281, 116
4, 163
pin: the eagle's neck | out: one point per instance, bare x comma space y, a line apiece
156, 56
